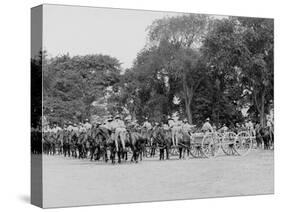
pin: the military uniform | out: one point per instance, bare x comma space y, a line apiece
207, 127
119, 128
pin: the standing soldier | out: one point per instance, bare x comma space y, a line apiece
186, 134
250, 127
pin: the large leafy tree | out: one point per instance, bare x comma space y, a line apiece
144, 89
178, 38
258, 74
239, 53
72, 84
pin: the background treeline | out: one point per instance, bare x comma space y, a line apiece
196, 65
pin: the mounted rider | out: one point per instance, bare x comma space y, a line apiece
175, 130
207, 127
172, 123
146, 129
87, 125
186, 127
119, 128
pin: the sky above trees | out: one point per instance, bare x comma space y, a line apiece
88, 30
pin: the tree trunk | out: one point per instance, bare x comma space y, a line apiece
260, 107
188, 113
262, 113
188, 94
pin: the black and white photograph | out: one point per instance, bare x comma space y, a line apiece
136, 106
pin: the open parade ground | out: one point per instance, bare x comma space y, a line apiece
72, 182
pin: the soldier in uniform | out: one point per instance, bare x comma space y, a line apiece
87, 125
186, 134
207, 127
223, 129
119, 128
146, 130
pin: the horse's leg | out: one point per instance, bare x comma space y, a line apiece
162, 153
183, 154
188, 149
180, 151
91, 153
105, 154
141, 152
119, 156
167, 152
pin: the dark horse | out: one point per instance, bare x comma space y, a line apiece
266, 137
98, 143
184, 145
133, 143
163, 141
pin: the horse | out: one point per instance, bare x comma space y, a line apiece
98, 142
162, 141
184, 144
66, 144
265, 134
136, 143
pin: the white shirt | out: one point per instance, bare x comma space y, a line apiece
207, 127
147, 125
166, 127
186, 127
87, 125
223, 129
108, 125
171, 123
250, 125
117, 123
69, 128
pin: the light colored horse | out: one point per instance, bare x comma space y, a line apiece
176, 134
122, 134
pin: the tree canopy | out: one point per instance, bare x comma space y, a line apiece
194, 65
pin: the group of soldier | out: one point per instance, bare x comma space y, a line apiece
60, 139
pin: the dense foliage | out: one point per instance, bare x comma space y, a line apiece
193, 65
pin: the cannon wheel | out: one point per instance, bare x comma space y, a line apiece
196, 147
210, 145
244, 143
228, 143
196, 150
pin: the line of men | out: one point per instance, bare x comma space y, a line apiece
118, 128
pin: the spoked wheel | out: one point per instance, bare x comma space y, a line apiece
228, 143
210, 145
243, 143
196, 150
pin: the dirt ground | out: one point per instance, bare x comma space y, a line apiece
72, 182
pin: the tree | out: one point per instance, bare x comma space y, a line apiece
72, 84
258, 74
179, 37
239, 51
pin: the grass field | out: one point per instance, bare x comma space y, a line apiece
72, 182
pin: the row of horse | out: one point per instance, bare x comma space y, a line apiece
99, 144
